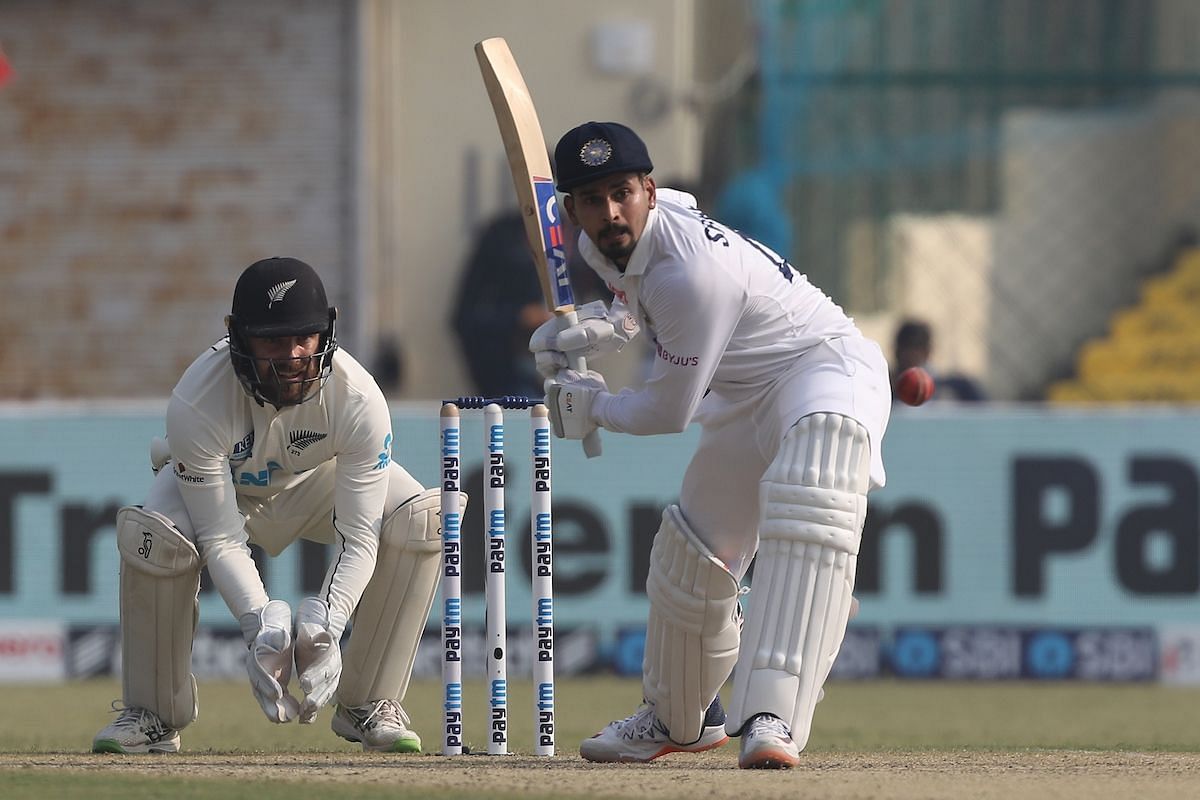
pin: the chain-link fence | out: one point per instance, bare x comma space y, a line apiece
1010, 171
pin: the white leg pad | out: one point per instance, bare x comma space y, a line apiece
692, 633
160, 587
814, 505
378, 661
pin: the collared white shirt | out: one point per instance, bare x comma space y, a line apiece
224, 445
725, 313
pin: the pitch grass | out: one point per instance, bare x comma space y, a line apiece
884, 717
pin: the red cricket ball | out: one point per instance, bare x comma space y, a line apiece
914, 386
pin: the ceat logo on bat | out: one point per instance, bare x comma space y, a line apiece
552, 241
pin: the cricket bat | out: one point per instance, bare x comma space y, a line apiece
530, 165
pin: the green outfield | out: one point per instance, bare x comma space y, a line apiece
978, 738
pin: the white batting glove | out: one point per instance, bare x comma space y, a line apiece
598, 332
569, 398
269, 662
318, 657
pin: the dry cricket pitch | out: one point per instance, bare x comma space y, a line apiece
1057, 774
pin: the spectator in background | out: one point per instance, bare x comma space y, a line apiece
750, 203
388, 366
913, 348
499, 305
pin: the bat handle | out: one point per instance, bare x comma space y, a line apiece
591, 442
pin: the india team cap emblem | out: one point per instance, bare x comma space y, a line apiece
595, 152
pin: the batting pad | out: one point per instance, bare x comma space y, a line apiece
390, 618
692, 633
814, 504
160, 586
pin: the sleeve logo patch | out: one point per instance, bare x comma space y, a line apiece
385, 457
678, 361
182, 473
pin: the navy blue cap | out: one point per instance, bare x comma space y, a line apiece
596, 149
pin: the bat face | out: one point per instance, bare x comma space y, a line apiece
553, 242
530, 167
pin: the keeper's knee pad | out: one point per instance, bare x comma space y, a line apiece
160, 586
391, 615
814, 503
692, 633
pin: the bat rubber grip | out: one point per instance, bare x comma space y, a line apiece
591, 443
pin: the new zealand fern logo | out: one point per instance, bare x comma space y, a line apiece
275, 293
301, 440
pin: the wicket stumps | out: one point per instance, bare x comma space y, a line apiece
542, 550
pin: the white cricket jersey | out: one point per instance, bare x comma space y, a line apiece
725, 312
224, 444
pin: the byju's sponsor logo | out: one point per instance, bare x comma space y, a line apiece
679, 361
299, 441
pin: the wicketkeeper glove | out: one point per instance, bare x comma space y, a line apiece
318, 657
597, 333
268, 633
569, 397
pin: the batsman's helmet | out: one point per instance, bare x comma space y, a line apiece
280, 297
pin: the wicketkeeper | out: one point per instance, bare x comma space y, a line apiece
793, 403
275, 435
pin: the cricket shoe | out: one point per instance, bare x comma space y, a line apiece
136, 730
643, 737
380, 725
767, 744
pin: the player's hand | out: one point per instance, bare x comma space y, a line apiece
269, 662
318, 657
569, 397
597, 333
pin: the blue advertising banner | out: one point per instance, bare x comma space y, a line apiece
996, 653
993, 516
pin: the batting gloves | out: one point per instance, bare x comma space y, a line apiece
569, 397
597, 333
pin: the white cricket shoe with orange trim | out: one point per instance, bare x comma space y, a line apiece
767, 744
642, 737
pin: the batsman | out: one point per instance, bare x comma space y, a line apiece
793, 401
274, 434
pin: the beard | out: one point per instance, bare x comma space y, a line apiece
616, 250
286, 385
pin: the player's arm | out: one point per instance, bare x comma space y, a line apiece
694, 311
201, 467
360, 493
